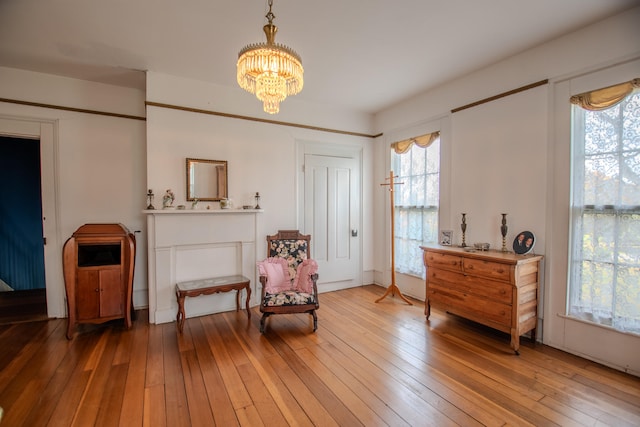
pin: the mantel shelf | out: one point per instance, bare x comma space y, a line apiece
200, 211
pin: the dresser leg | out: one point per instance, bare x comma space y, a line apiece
515, 342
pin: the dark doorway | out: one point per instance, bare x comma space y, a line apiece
22, 275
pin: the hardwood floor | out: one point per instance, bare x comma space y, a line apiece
368, 364
21, 306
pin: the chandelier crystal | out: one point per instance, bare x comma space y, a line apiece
269, 70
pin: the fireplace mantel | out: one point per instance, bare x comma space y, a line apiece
201, 211
193, 244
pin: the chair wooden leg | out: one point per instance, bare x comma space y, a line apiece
262, 320
315, 320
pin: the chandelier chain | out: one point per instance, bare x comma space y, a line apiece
270, 16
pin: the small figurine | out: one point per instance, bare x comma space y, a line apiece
167, 200
194, 204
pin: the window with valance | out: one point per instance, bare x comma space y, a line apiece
604, 283
416, 163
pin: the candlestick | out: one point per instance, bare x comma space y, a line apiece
463, 226
503, 230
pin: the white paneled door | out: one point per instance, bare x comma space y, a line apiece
332, 217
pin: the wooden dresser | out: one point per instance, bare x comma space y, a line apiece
496, 289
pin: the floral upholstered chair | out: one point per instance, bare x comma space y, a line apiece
288, 277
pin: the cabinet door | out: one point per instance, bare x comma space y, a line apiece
111, 293
87, 294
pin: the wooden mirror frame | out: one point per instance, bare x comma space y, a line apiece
206, 180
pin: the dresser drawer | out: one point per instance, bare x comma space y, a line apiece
478, 286
492, 270
481, 310
436, 259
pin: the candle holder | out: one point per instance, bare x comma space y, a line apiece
463, 226
503, 231
257, 197
150, 197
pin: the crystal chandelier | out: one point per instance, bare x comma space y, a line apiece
271, 71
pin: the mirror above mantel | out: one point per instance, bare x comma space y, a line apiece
206, 180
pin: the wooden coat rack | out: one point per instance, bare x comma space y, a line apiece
393, 288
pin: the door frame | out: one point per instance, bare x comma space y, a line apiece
47, 132
324, 149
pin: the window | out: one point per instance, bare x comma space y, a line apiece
604, 282
416, 163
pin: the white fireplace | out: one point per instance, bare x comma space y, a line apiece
197, 244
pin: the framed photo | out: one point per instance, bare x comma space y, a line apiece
524, 242
446, 237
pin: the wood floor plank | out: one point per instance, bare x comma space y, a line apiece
111, 405
175, 379
368, 363
419, 375
359, 408
223, 412
154, 413
402, 369
21, 343
155, 358
218, 337
131, 413
199, 410
260, 352
99, 366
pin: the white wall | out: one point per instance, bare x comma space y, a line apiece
499, 155
99, 162
262, 157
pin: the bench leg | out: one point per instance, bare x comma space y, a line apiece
180, 316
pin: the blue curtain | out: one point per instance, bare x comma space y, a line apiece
21, 240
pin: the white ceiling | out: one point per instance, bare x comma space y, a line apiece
359, 54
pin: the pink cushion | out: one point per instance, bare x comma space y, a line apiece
276, 270
302, 281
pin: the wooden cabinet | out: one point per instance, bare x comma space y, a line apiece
496, 289
98, 261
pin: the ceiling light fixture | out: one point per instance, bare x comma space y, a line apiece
270, 71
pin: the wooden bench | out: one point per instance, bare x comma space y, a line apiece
210, 286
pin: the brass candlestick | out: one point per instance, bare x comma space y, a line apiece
503, 230
150, 197
463, 226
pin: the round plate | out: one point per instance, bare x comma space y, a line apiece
524, 242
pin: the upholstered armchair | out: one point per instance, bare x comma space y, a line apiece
288, 277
